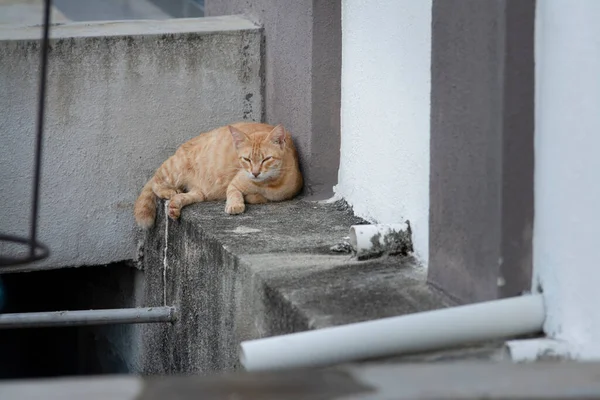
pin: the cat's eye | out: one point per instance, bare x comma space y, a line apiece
267, 159
246, 159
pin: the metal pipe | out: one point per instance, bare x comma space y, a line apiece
87, 317
431, 330
45, 43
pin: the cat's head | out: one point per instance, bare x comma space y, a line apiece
260, 154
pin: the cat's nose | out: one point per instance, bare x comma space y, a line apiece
256, 174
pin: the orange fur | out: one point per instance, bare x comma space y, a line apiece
247, 161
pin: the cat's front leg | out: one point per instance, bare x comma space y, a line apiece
235, 200
180, 200
163, 193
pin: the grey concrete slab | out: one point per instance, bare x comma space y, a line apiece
122, 96
460, 381
477, 380
114, 387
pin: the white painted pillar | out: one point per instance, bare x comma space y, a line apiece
386, 88
567, 171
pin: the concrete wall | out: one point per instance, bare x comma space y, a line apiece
567, 171
122, 97
384, 168
482, 121
302, 74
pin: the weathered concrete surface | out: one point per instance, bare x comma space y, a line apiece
303, 61
122, 96
266, 272
435, 381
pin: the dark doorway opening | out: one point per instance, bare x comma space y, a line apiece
70, 351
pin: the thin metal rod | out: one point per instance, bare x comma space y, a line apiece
87, 317
40, 128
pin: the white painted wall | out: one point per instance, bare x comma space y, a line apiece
386, 59
567, 171
118, 106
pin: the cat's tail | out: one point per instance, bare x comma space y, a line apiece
145, 207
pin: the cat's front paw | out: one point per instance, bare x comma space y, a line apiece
235, 208
174, 210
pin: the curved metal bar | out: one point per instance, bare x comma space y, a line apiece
41, 251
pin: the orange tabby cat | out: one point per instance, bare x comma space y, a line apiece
247, 161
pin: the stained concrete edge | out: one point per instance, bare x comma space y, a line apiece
539, 349
129, 27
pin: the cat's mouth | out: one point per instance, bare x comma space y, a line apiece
259, 178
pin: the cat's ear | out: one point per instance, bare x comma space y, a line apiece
238, 136
277, 136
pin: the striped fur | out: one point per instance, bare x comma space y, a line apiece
241, 163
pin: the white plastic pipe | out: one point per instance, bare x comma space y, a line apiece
426, 331
372, 240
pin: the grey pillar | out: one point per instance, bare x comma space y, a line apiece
303, 72
482, 121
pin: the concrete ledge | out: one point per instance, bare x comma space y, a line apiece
269, 271
438, 381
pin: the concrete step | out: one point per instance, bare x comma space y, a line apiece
269, 271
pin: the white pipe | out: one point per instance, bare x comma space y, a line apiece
374, 240
431, 330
